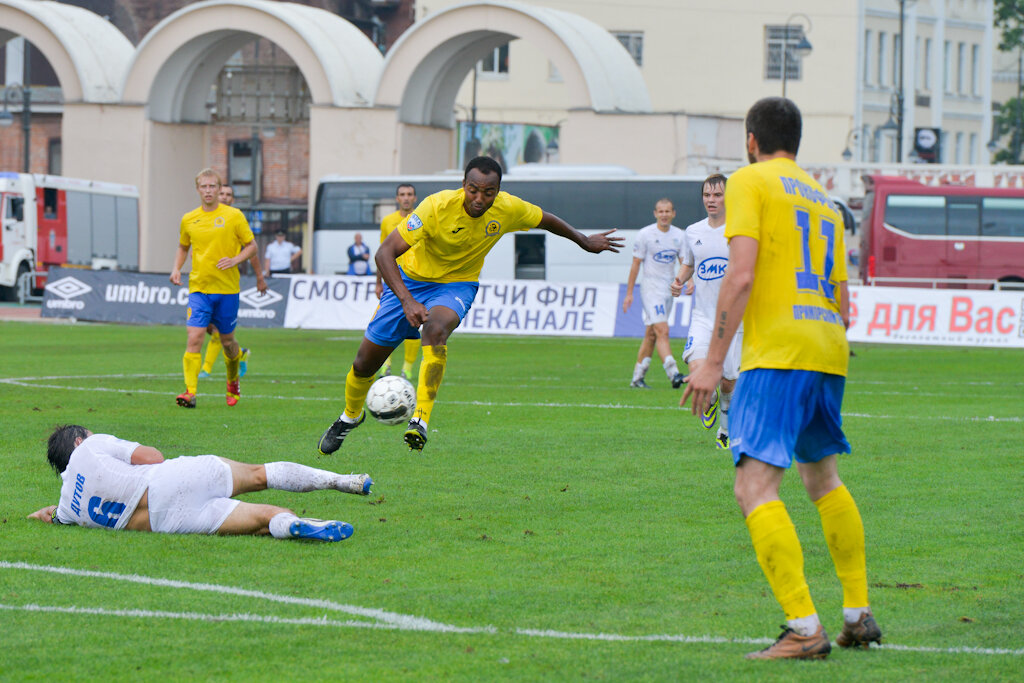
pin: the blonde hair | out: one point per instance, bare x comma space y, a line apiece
209, 172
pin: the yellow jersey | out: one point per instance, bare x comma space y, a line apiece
448, 245
792, 320
212, 236
389, 223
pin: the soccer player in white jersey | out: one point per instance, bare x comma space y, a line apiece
657, 247
705, 257
117, 484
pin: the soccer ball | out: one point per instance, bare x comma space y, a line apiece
391, 400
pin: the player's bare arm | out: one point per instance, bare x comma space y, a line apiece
146, 455
231, 261
844, 303
179, 260
732, 302
45, 514
261, 282
634, 269
393, 247
684, 276
595, 243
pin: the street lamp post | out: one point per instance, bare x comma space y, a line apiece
900, 94
802, 48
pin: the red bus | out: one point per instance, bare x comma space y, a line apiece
945, 236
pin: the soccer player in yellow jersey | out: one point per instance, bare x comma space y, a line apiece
220, 239
226, 195
787, 282
405, 197
440, 250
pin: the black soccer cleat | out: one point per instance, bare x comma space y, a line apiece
331, 439
679, 379
416, 435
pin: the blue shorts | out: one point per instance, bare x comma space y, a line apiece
778, 414
389, 327
219, 309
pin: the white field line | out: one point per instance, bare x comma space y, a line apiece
32, 383
386, 620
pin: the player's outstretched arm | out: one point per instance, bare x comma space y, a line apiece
595, 243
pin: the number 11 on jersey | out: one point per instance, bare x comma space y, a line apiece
809, 278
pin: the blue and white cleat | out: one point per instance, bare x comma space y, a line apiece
358, 484
203, 374
327, 530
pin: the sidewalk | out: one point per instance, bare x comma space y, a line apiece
26, 313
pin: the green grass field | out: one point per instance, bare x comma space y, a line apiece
558, 525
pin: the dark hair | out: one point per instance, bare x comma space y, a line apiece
61, 444
485, 165
409, 185
776, 125
281, 232
712, 180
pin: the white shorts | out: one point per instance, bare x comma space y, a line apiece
657, 306
190, 495
700, 339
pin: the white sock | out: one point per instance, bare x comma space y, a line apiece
805, 626
723, 412
852, 614
280, 523
291, 476
671, 369
640, 369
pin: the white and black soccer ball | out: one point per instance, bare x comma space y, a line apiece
391, 400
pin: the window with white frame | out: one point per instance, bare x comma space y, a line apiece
780, 43
972, 149
633, 41
883, 58
961, 57
897, 57
868, 75
947, 71
959, 158
926, 65
975, 70
495, 63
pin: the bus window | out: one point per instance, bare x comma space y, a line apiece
1002, 216
962, 216
916, 214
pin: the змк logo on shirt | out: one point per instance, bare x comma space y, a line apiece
712, 268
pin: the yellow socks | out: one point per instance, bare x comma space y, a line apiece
213, 349
412, 349
435, 358
844, 534
190, 363
780, 556
355, 394
231, 364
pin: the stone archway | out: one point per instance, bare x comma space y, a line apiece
425, 68
167, 84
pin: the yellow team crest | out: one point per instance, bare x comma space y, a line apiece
493, 228
219, 221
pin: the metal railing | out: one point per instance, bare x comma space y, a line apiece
24, 287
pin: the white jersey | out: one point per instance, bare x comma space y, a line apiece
101, 487
659, 251
707, 250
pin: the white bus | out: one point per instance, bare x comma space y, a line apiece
588, 198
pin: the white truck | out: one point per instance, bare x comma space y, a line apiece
55, 221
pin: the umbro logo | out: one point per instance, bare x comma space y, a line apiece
252, 297
68, 287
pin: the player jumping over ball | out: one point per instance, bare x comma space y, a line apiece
440, 249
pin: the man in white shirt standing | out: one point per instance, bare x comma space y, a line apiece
281, 254
705, 257
657, 247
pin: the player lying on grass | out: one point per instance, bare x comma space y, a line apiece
117, 484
